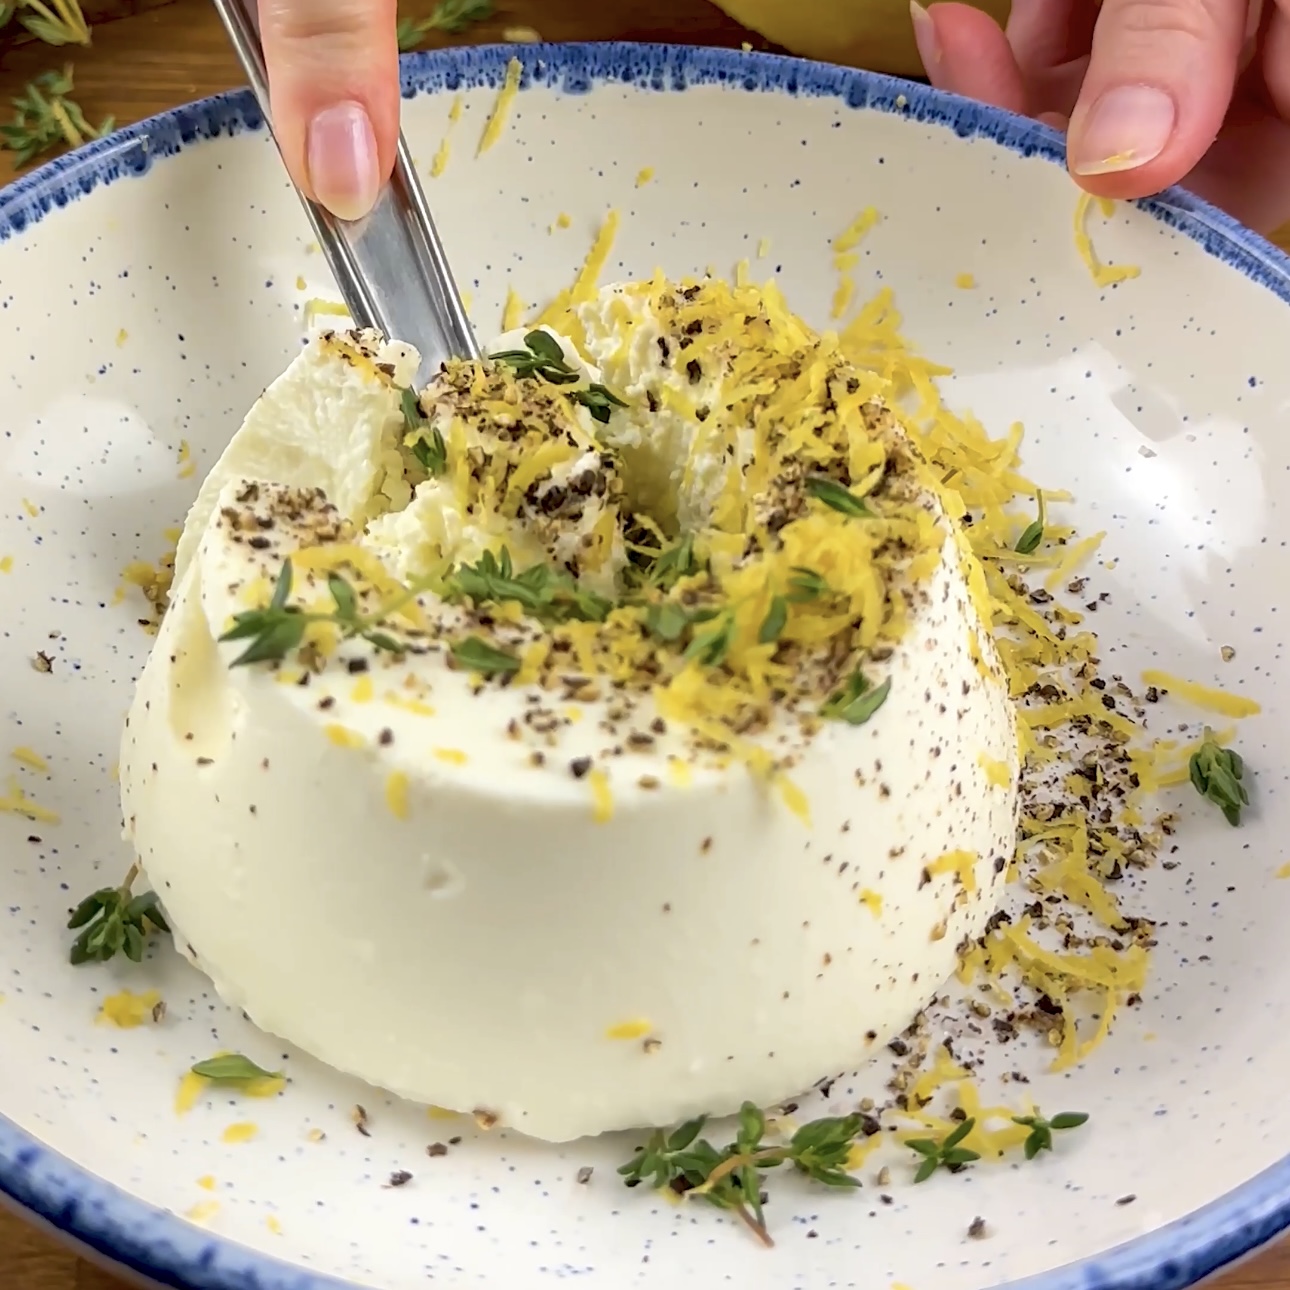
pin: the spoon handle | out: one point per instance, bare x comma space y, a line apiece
390, 266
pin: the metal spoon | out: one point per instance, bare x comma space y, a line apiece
390, 266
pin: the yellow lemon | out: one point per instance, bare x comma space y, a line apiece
875, 34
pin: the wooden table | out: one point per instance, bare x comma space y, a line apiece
143, 64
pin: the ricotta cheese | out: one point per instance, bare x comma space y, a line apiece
619, 763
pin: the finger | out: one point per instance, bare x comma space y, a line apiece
1158, 86
1257, 194
334, 86
965, 51
1046, 33
1275, 57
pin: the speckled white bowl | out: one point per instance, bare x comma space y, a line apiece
149, 289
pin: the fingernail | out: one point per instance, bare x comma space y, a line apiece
341, 156
1126, 128
925, 37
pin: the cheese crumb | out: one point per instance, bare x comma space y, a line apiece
1104, 275
637, 1028
1207, 697
343, 737
602, 797
514, 310
242, 1132
18, 803
501, 109
396, 794
30, 757
191, 1088
961, 863
126, 1010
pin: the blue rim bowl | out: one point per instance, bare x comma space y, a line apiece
159, 1245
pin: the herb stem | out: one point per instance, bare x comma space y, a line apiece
755, 1225
729, 1165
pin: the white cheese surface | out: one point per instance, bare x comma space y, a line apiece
418, 880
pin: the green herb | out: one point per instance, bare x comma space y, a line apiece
772, 626
45, 118
855, 703
711, 647
430, 450
834, 495
276, 630
1041, 1130
114, 921
732, 1178
542, 591
599, 401
675, 563
479, 656
1028, 542
233, 1068
452, 16
668, 621
946, 1154
56, 22
542, 357
1216, 774
806, 585
432, 453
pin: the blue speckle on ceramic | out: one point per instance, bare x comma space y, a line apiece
155, 281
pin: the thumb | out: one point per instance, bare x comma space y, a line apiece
334, 85
1158, 86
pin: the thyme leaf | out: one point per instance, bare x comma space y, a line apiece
1217, 774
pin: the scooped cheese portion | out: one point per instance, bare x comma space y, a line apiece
619, 879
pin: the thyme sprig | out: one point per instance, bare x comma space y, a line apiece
45, 118
1041, 1130
451, 16
673, 564
477, 655
857, 701
546, 593
1028, 542
275, 631
837, 496
542, 358
1216, 774
56, 22
732, 1178
948, 1153
113, 921
430, 449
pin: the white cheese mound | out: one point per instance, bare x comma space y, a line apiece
506, 899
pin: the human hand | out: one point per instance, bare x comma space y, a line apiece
1150, 92
334, 86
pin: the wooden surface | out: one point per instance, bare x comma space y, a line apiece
143, 64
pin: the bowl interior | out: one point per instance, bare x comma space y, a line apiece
146, 315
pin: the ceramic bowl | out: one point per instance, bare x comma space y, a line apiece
150, 286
